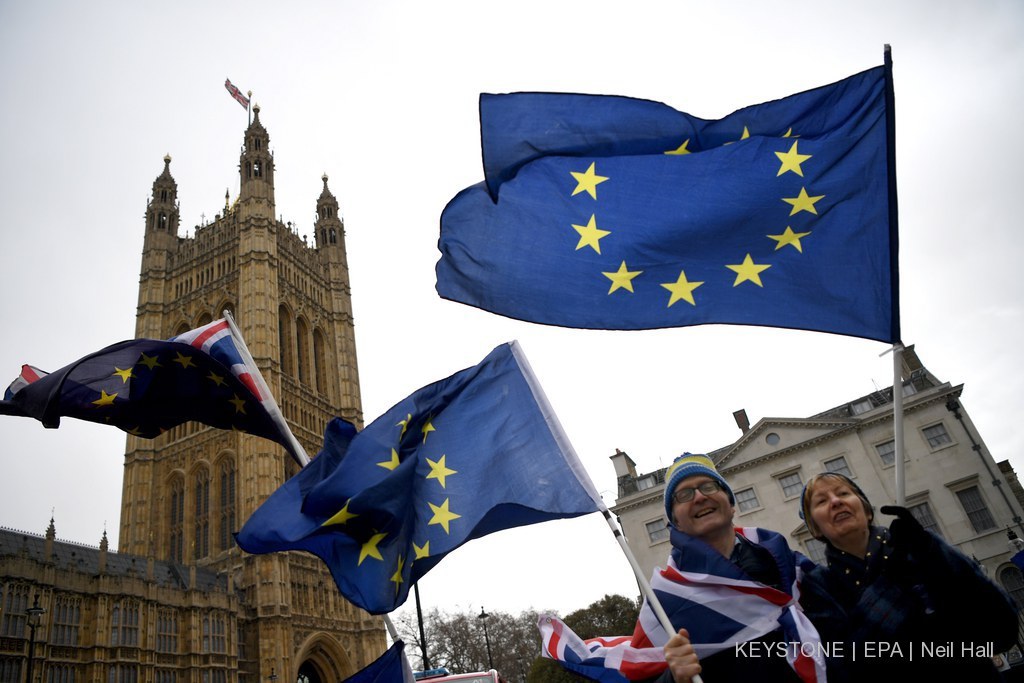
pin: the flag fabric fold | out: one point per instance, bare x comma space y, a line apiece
617, 213
391, 667
458, 459
236, 93
147, 386
714, 600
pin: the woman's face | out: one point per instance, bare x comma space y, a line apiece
837, 511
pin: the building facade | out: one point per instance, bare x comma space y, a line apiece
953, 485
180, 602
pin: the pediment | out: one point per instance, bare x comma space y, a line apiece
776, 436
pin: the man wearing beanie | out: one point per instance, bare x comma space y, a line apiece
733, 590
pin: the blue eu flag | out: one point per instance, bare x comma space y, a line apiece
147, 386
390, 667
615, 213
466, 456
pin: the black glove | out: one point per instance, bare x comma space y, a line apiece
909, 538
905, 531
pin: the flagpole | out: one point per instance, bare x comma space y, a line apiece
897, 420
572, 459
296, 449
248, 106
299, 451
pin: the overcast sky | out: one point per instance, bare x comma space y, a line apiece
382, 96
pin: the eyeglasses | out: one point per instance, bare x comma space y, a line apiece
706, 487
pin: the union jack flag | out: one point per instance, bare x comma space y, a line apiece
28, 375
714, 600
215, 339
236, 93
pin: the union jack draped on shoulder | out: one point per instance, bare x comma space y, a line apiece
714, 600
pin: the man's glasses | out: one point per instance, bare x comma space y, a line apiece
686, 495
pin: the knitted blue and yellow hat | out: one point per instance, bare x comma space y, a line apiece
688, 465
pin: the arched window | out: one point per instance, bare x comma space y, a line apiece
320, 361
284, 333
202, 514
227, 503
177, 521
1013, 582
302, 351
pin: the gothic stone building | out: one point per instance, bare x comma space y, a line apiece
180, 602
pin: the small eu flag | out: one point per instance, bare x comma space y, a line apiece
459, 459
390, 667
609, 212
147, 386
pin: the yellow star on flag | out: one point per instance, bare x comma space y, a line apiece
681, 289
396, 578
184, 361
791, 161
404, 424
427, 428
622, 278
802, 202
125, 375
150, 362
105, 399
590, 235
587, 181
442, 515
438, 470
239, 404
748, 270
789, 237
681, 149
341, 516
421, 551
743, 136
370, 549
215, 378
392, 463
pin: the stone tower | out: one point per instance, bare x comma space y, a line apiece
186, 491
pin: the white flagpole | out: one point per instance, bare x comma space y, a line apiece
295, 447
584, 478
299, 451
897, 422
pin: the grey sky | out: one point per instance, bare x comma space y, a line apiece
382, 97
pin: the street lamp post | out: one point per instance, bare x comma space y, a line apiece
483, 615
35, 615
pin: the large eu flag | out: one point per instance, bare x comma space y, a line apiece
616, 213
464, 457
147, 386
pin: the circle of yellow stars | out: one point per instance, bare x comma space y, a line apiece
747, 270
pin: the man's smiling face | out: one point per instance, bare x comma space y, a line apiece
704, 516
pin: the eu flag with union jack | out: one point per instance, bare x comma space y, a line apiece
610, 212
472, 454
147, 386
